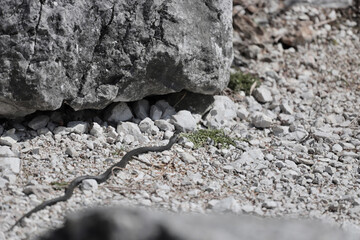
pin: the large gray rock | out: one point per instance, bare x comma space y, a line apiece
88, 54
323, 3
131, 224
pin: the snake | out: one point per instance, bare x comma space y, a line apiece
99, 179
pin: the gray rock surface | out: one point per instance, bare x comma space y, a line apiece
166, 109
222, 111
131, 129
96, 130
89, 54
78, 127
38, 122
122, 223
147, 126
164, 125
260, 120
155, 113
142, 109
118, 113
324, 3
183, 121
262, 95
9, 166
89, 184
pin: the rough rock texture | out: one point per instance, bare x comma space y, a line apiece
323, 3
88, 54
120, 223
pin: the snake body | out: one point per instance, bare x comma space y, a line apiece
99, 179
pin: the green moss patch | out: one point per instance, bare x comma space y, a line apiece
58, 185
203, 137
240, 81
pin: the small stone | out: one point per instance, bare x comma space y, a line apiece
111, 132
5, 151
225, 205
329, 170
119, 113
187, 158
297, 135
78, 127
54, 160
280, 130
183, 121
39, 122
168, 134
60, 130
3, 183
131, 129
260, 120
269, 204
189, 145
347, 146
19, 127
145, 202
285, 108
242, 113
196, 178
248, 208
222, 111
148, 126
11, 178
286, 119
279, 164
96, 130
166, 110
337, 148
155, 113
228, 168
272, 74
308, 162
291, 173
129, 139
10, 163
142, 109
325, 135
164, 125
253, 105
7, 141
334, 207
89, 184
71, 152
213, 186
262, 95
269, 157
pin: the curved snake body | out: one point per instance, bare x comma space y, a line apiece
99, 179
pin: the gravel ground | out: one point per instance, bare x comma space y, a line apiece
297, 154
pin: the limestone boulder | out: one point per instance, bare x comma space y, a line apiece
88, 54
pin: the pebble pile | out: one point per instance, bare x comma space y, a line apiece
297, 151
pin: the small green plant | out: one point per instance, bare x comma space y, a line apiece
58, 185
240, 81
205, 136
334, 42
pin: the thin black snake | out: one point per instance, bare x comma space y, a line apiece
99, 179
